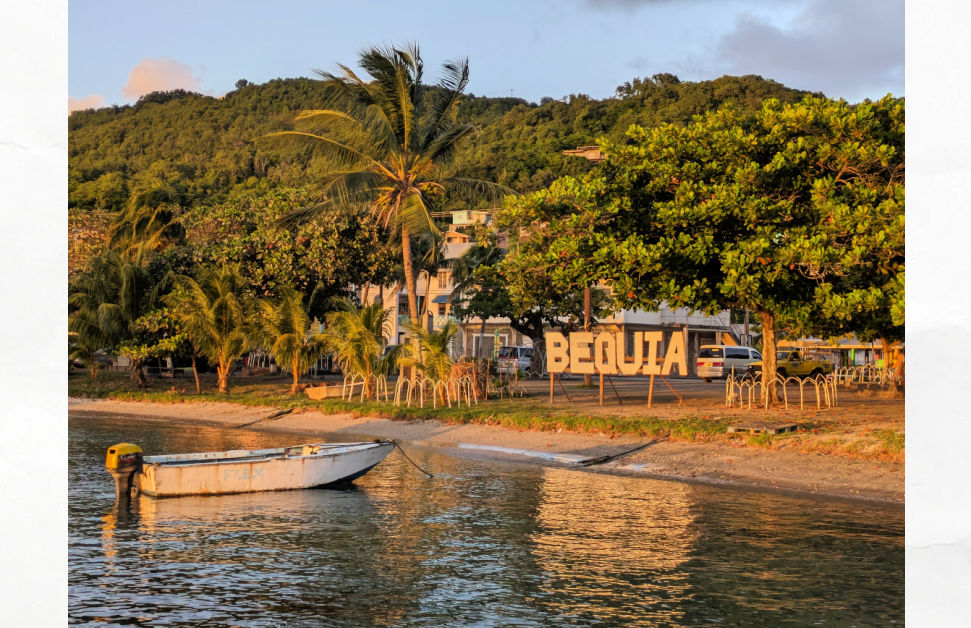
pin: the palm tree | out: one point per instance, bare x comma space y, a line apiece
150, 221
436, 362
213, 313
433, 361
384, 142
358, 338
107, 300
282, 327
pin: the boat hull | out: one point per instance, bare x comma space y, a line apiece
218, 473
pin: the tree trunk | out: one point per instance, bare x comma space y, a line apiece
768, 357
410, 289
295, 365
428, 290
367, 289
530, 324
481, 337
195, 373
137, 374
222, 372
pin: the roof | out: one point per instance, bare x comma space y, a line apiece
455, 250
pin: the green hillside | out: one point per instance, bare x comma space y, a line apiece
202, 148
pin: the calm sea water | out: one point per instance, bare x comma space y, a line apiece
481, 544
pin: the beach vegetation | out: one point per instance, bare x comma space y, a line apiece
107, 305
215, 315
357, 338
282, 328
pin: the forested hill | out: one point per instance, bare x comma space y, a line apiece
200, 148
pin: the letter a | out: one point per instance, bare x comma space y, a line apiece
675, 355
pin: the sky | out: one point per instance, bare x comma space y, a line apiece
852, 49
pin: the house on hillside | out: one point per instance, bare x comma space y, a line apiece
590, 153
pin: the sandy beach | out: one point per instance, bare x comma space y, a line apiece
711, 463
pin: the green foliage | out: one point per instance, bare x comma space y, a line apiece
434, 361
106, 304
357, 338
518, 144
795, 212
282, 328
321, 257
155, 334
215, 314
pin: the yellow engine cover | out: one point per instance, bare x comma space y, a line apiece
119, 451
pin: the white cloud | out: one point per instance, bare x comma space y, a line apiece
88, 102
164, 74
848, 48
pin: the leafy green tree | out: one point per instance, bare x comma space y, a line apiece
214, 313
282, 328
321, 257
383, 143
155, 334
791, 213
107, 300
357, 336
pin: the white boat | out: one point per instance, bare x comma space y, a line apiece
243, 471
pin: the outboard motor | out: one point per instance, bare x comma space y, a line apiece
123, 461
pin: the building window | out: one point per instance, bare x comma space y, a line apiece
442, 278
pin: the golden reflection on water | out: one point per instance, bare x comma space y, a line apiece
590, 540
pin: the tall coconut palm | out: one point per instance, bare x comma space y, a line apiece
214, 314
282, 329
358, 338
383, 142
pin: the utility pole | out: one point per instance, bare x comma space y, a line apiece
746, 340
587, 315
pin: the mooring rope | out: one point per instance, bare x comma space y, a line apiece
275, 415
410, 460
602, 459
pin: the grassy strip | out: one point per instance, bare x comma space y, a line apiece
521, 414
815, 436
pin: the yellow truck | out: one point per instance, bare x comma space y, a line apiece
790, 362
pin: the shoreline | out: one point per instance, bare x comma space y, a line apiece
713, 464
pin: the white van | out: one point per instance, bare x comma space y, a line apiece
512, 358
717, 361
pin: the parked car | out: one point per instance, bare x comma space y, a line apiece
718, 361
513, 358
792, 362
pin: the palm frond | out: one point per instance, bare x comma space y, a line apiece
454, 79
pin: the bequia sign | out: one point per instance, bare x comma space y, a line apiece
605, 353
